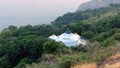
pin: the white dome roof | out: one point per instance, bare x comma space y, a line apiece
69, 39
54, 37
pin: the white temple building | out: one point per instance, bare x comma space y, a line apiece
69, 39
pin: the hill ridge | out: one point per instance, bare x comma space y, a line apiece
93, 4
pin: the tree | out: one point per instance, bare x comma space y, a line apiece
88, 34
51, 47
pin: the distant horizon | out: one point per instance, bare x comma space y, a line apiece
33, 12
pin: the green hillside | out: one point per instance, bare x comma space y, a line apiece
29, 46
84, 15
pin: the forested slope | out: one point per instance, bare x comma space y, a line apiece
26, 45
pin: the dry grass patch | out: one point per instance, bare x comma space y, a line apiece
112, 62
116, 65
91, 65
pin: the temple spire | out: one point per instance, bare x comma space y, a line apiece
68, 31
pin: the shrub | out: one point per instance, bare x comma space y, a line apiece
40, 65
51, 46
65, 64
88, 34
117, 36
22, 63
108, 42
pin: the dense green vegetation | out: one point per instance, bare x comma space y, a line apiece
28, 46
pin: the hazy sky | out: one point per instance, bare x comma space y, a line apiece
23, 12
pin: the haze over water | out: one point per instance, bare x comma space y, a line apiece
24, 12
